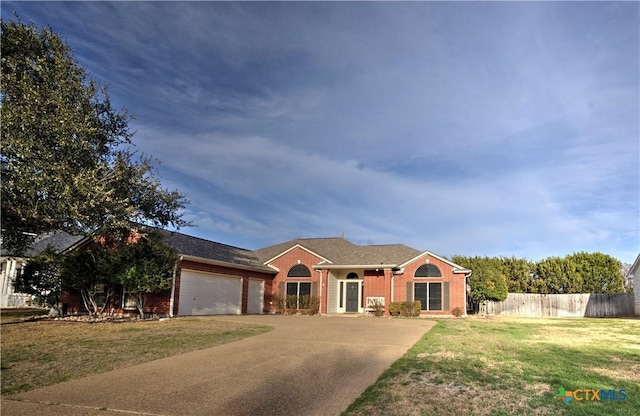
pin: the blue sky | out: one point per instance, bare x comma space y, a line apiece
474, 128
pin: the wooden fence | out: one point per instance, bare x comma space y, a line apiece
581, 304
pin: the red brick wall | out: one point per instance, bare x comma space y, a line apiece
457, 283
298, 256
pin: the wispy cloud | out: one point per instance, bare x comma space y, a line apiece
492, 128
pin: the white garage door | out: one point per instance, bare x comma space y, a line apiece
256, 296
209, 294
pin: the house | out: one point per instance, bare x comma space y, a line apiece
213, 278
634, 273
349, 278
12, 264
210, 278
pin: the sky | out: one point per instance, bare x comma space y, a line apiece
470, 128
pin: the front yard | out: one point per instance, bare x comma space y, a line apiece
505, 366
40, 353
494, 366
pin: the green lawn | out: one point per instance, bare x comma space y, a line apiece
36, 354
504, 366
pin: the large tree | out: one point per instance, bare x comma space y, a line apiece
67, 159
145, 265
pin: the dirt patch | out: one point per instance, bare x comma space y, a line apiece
426, 396
629, 373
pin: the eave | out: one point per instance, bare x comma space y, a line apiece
265, 269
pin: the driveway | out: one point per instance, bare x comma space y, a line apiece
308, 365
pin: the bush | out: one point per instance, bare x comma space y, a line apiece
457, 312
279, 303
309, 305
292, 304
377, 307
406, 309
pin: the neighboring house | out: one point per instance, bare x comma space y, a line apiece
210, 278
348, 278
13, 263
634, 273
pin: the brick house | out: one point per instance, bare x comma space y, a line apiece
347, 277
212, 278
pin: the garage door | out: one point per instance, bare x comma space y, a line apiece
209, 294
255, 298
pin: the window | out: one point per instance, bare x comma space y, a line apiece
299, 270
299, 290
128, 301
429, 295
352, 275
428, 270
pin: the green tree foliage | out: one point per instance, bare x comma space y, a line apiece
518, 273
91, 270
67, 160
41, 278
488, 280
145, 266
576, 273
580, 273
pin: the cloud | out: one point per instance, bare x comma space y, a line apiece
473, 128
268, 192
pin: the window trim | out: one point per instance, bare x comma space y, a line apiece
427, 307
297, 295
429, 267
299, 273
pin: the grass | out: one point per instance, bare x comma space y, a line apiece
505, 366
36, 354
20, 314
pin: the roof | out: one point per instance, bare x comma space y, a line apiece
633, 271
341, 251
56, 240
200, 248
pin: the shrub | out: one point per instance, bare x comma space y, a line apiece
279, 303
406, 309
457, 312
377, 307
310, 305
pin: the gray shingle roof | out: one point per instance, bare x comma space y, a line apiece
57, 240
187, 245
341, 251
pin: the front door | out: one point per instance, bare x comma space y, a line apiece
352, 296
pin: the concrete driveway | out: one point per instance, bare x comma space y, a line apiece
308, 365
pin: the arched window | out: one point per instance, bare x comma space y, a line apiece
299, 270
353, 275
428, 270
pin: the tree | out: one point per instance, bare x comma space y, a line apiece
488, 280
518, 272
67, 161
597, 272
41, 278
91, 271
146, 266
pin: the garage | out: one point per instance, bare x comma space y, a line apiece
209, 294
255, 298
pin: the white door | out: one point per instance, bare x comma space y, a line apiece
255, 298
209, 294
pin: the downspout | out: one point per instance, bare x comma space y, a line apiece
392, 276
173, 287
466, 284
320, 292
